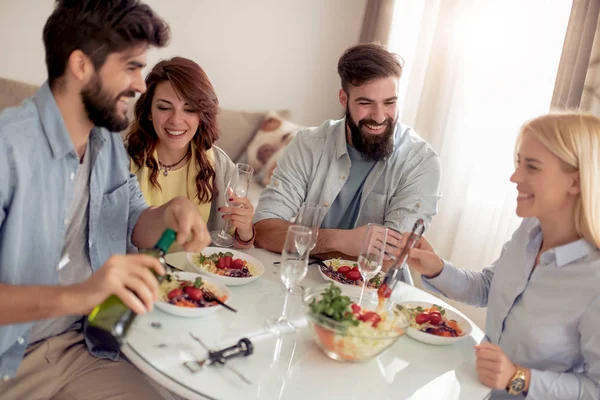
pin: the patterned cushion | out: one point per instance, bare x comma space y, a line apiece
267, 146
12, 93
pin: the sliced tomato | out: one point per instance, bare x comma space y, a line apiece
175, 293
436, 318
194, 293
344, 269
370, 316
355, 308
422, 318
353, 275
238, 263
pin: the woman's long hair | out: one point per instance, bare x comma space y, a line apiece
190, 83
575, 139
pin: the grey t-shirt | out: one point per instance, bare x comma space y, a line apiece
344, 210
74, 266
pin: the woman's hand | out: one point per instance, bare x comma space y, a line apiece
493, 368
423, 258
240, 214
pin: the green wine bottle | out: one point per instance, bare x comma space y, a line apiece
107, 325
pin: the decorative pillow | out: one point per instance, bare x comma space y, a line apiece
237, 128
268, 144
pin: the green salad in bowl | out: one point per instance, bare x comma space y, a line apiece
346, 331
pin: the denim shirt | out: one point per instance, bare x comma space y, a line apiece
546, 319
37, 170
315, 166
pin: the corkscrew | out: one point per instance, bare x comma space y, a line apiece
242, 348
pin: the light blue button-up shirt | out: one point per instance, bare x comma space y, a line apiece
315, 166
546, 319
37, 169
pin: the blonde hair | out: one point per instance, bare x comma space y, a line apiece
575, 139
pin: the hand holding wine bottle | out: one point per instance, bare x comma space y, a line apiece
108, 323
132, 278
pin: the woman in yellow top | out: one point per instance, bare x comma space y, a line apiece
171, 147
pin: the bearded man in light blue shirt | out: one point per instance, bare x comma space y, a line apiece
364, 168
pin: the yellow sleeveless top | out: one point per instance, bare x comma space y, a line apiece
180, 182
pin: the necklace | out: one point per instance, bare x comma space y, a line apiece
167, 168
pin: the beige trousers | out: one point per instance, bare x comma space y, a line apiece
61, 368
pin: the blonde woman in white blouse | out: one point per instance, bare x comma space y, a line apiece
543, 293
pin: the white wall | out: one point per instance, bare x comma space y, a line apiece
259, 54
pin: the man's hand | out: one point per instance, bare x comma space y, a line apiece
129, 277
493, 368
182, 215
351, 241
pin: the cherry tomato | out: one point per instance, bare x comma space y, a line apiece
436, 317
355, 308
221, 263
370, 316
228, 261
238, 263
344, 269
422, 318
175, 293
194, 293
355, 268
353, 275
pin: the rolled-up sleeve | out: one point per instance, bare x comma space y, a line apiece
549, 385
283, 197
418, 195
137, 205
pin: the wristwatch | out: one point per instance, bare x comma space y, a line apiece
516, 385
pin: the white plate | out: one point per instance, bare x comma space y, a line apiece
433, 339
344, 285
227, 280
217, 288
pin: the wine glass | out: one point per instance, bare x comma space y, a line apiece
293, 268
309, 216
238, 186
370, 259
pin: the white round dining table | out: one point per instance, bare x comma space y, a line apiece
292, 366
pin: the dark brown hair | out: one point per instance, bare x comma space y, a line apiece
364, 62
98, 28
190, 83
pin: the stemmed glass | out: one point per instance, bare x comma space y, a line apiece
309, 216
238, 186
293, 268
370, 259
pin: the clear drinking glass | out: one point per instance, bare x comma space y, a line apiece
238, 186
309, 216
293, 268
370, 259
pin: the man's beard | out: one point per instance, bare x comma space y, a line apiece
371, 147
101, 108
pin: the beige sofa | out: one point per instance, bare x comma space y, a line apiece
237, 127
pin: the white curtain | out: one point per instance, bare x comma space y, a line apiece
475, 71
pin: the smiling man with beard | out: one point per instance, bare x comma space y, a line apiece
70, 209
365, 168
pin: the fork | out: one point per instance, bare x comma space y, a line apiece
318, 262
210, 296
